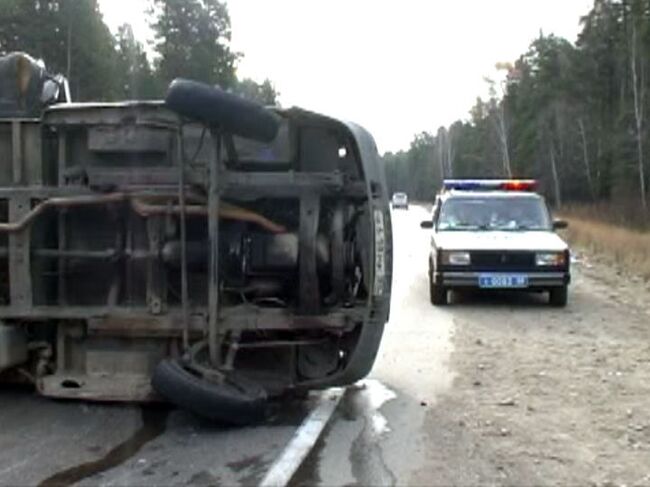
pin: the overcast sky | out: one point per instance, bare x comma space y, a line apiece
395, 67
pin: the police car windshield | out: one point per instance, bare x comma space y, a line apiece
504, 213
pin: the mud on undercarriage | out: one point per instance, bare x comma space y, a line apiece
230, 251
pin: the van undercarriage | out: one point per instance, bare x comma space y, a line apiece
246, 244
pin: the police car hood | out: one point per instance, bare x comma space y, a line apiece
499, 240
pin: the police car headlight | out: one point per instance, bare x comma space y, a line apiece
456, 258
550, 259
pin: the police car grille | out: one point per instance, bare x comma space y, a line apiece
503, 260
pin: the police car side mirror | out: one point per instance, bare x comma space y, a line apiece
560, 224
426, 224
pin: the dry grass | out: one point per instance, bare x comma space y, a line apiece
626, 248
622, 214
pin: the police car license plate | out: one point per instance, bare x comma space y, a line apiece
501, 281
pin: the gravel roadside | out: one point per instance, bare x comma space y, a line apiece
547, 396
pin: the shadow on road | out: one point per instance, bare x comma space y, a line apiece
475, 298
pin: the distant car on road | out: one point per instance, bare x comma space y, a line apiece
495, 234
400, 200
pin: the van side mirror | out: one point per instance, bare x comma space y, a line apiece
50, 92
560, 224
426, 224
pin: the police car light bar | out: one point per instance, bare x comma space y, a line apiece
489, 184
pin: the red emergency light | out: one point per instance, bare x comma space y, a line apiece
519, 185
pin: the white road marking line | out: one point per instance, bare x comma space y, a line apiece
303, 440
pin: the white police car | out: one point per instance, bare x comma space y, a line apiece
495, 234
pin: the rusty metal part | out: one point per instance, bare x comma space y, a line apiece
61, 202
24, 73
141, 207
111, 388
226, 211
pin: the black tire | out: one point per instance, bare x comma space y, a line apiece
559, 296
235, 401
215, 107
437, 294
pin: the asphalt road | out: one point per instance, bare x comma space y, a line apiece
64, 443
493, 389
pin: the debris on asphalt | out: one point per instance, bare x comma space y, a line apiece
507, 402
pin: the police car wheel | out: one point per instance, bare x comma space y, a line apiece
437, 294
559, 296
